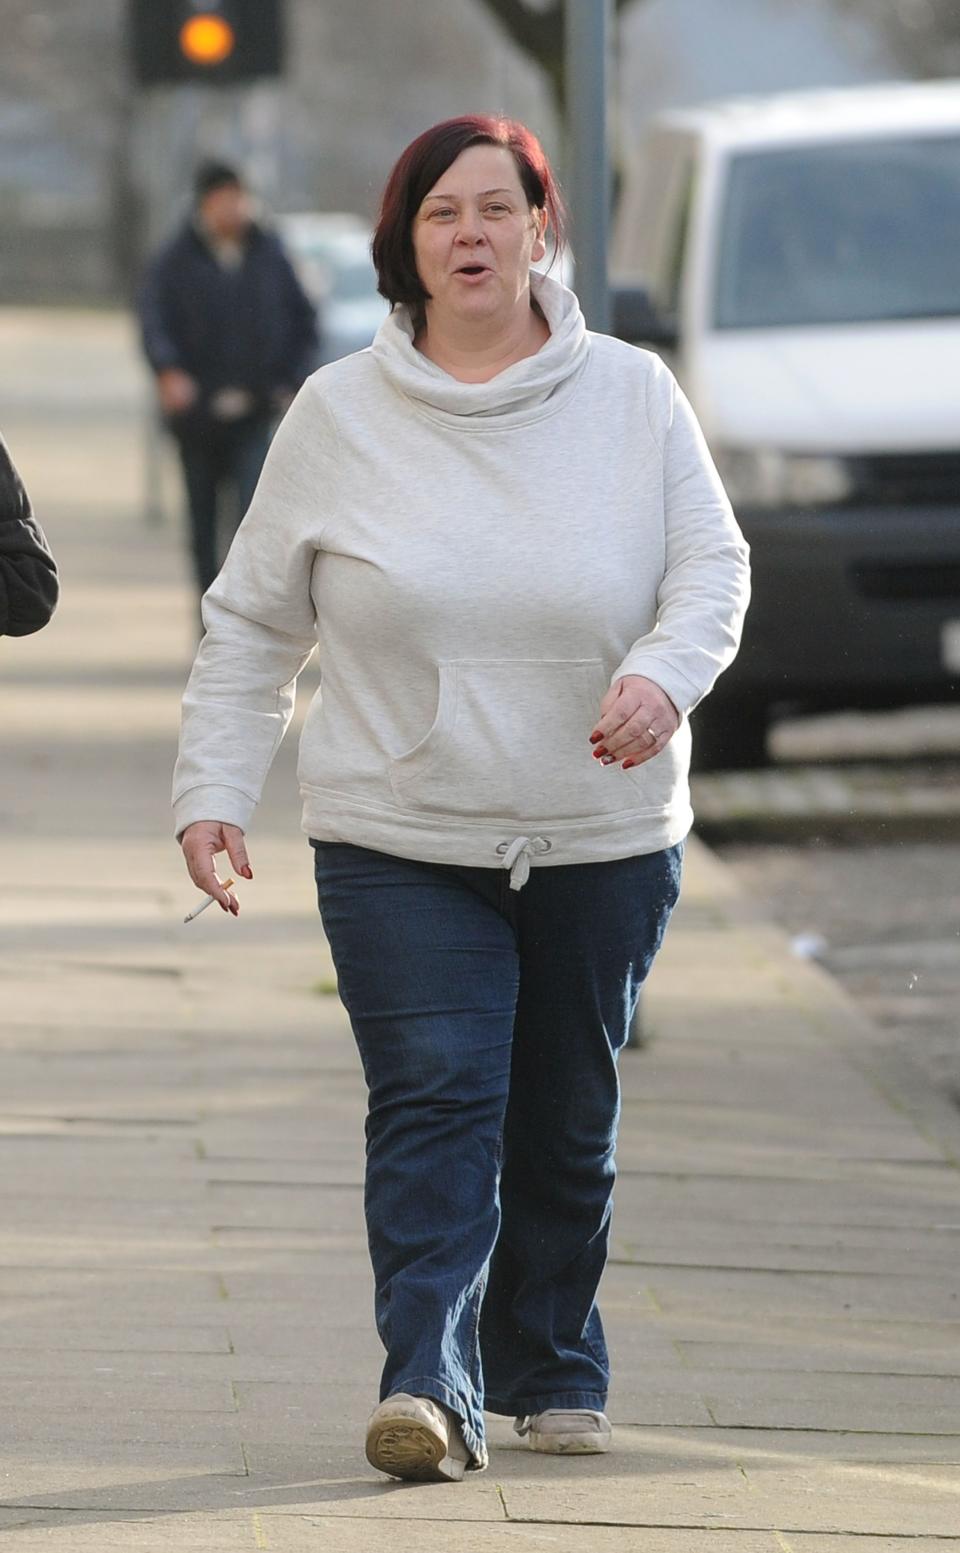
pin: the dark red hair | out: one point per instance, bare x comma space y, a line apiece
419, 167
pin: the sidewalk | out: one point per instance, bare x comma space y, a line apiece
187, 1352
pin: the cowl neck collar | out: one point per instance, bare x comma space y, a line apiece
531, 387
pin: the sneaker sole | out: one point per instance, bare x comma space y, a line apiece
569, 1444
403, 1448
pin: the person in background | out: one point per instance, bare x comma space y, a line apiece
230, 335
29, 584
507, 538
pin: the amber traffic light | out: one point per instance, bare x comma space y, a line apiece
216, 42
207, 39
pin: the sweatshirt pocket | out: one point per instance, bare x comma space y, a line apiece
511, 739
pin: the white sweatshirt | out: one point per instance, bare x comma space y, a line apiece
477, 563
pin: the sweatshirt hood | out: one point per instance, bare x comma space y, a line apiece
530, 388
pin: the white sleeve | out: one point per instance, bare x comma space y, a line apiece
705, 589
260, 626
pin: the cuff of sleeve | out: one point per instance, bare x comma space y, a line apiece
228, 805
683, 695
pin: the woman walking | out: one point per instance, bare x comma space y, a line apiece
507, 538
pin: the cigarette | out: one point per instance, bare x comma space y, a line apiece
204, 904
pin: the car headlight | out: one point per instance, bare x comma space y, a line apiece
766, 477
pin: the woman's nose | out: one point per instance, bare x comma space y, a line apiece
470, 228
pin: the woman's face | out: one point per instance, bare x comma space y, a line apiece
475, 235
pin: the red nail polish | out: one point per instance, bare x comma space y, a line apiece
628, 763
595, 738
599, 752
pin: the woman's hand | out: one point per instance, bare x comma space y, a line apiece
201, 842
637, 720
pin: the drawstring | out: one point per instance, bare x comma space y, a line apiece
516, 856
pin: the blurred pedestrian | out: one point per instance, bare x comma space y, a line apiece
510, 542
29, 585
231, 335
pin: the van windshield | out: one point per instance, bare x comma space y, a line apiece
864, 231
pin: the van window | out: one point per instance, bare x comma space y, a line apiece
864, 231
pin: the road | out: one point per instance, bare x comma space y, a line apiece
852, 841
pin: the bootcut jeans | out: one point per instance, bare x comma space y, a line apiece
488, 1022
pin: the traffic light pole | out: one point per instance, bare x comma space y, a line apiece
588, 30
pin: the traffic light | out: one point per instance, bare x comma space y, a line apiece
213, 41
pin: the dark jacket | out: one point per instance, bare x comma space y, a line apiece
253, 327
29, 586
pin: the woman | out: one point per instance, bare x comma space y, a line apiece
509, 541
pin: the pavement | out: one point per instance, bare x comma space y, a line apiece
187, 1353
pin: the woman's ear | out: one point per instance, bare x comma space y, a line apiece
540, 241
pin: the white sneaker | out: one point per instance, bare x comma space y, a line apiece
417, 1439
562, 1431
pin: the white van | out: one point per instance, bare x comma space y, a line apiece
796, 259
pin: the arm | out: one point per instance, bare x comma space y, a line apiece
157, 335
261, 628
176, 389
701, 600
29, 586
705, 589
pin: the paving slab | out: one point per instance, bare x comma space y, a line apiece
805, 1447
643, 1487
57, 1336
98, 1426
304, 1536
63, 1468
98, 1392
846, 1355
910, 1403
858, 1296
293, 1532
82, 1532
349, 1496
804, 1543
811, 1255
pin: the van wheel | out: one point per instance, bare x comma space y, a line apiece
729, 734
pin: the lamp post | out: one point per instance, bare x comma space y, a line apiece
588, 28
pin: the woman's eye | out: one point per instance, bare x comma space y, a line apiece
497, 210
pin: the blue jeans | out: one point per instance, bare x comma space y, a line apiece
488, 1022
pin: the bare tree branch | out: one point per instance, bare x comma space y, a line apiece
535, 31
924, 35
